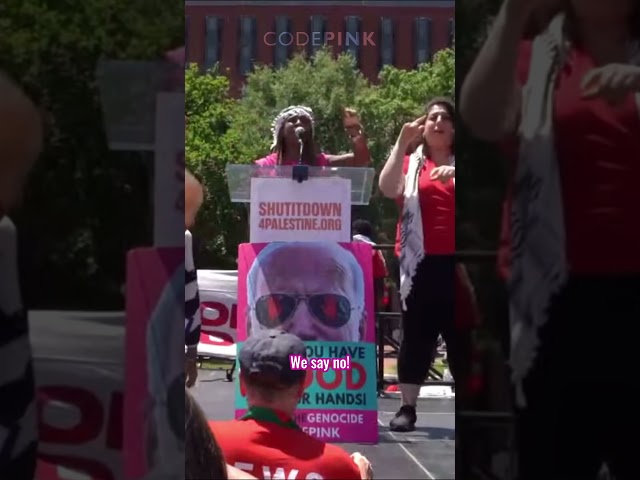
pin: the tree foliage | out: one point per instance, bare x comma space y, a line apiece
238, 131
85, 205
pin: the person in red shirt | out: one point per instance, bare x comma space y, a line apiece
267, 442
423, 183
569, 250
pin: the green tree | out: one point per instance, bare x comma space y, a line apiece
72, 248
239, 131
210, 145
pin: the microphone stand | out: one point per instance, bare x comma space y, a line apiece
300, 172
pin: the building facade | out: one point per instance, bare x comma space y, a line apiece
238, 34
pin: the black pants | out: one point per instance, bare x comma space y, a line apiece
583, 400
430, 313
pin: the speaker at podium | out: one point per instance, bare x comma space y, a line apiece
301, 273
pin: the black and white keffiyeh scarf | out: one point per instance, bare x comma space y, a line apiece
18, 412
286, 114
192, 321
411, 234
539, 268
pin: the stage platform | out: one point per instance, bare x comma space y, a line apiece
427, 453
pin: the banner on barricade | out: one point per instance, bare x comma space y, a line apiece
154, 381
323, 293
80, 393
218, 312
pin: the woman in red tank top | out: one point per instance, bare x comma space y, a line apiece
569, 250
423, 184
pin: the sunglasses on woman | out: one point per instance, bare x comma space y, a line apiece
330, 309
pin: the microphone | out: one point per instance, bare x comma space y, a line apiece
299, 132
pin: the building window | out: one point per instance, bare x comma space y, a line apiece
283, 41
386, 39
352, 38
247, 44
213, 39
317, 32
452, 32
422, 39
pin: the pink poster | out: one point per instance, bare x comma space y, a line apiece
321, 292
154, 377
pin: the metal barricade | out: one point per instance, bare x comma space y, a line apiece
434, 378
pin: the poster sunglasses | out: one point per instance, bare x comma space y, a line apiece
332, 310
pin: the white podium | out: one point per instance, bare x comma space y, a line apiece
299, 203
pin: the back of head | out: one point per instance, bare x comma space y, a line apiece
266, 371
362, 227
203, 457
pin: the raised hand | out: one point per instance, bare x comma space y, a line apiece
351, 122
612, 82
443, 173
366, 471
411, 131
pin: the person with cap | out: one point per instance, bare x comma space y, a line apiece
286, 142
267, 439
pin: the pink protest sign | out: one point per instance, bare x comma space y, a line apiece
321, 292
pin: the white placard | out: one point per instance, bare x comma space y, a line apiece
168, 226
283, 210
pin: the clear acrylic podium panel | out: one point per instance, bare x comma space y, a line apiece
239, 179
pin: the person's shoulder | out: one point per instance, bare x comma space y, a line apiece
224, 425
322, 160
7, 225
267, 161
7, 232
226, 429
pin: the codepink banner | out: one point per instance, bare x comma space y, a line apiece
349, 425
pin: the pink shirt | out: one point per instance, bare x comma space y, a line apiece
271, 160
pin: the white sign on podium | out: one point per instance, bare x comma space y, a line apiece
283, 210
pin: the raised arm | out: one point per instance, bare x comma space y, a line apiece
391, 181
359, 156
490, 97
